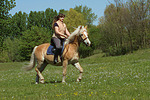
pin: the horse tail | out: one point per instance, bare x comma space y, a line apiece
32, 60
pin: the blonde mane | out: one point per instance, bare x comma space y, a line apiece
72, 35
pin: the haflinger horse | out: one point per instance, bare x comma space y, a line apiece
70, 54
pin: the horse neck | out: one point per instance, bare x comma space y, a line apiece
76, 41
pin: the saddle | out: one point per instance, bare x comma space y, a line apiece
51, 50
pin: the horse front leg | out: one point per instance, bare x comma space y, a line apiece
78, 66
65, 63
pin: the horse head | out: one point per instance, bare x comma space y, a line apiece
84, 35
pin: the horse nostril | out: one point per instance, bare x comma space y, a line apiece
88, 44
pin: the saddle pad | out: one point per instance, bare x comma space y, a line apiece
49, 50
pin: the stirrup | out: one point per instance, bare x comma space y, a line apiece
55, 61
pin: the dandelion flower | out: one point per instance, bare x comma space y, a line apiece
76, 93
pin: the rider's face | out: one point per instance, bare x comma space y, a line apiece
61, 19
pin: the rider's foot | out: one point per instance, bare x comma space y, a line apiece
55, 61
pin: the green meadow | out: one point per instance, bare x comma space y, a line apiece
124, 77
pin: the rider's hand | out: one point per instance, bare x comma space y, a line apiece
65, 36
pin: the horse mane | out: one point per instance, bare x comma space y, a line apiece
72, 35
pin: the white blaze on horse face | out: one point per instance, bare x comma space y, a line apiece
87, 41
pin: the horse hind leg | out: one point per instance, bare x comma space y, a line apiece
78, 66
39, 69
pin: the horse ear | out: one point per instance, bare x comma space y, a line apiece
80, 27
74, 28
86, 27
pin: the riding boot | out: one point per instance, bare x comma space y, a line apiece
56, 56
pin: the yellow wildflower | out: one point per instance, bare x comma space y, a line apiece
57, 95
76, 93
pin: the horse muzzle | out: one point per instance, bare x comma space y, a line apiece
87, 42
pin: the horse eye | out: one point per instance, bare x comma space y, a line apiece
81, 35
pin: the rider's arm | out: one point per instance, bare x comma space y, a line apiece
67, 32
57, 32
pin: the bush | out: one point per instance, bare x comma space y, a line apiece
116, 51
4, 57
85, 51
12, 49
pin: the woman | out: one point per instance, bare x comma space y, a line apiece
60, 35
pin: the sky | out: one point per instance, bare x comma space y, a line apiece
97, 6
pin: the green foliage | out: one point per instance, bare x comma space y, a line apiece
5, 7
32, 38
49, 17
18, 24
87, 13
94, 36
4, 56
62, 11
124, 27
74, 19
85, 51
12, 47
41, 19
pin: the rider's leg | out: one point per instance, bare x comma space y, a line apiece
58, 46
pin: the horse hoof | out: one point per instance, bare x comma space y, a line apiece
63, 81
42, 81
36, 82
78, 80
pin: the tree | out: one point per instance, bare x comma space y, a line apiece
31, 19
31, 38
42, 19
13, 49
19, 24
74, 19
49, 17
63, 11
125, 26
87, 13
5, 7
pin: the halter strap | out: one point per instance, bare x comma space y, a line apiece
82, 34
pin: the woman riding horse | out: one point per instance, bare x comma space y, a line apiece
60, 35
70, 54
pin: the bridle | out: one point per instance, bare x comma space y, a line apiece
81, 36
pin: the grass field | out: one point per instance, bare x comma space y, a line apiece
105, 78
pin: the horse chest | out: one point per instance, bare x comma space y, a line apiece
75, 57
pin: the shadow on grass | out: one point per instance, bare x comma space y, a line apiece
48, 82
53, 82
